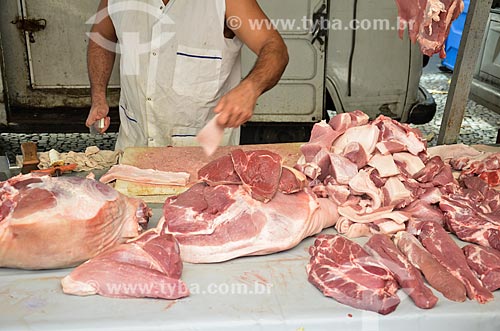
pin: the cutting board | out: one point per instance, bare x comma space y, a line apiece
187, 159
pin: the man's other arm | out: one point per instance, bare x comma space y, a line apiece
237, 106
100, 61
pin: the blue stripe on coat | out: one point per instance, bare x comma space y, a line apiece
126, 115
200, 56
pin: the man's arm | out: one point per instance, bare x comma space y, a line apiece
236, 107
100, 61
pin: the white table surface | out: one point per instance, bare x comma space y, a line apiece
252, 293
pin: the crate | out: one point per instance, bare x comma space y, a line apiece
452, 43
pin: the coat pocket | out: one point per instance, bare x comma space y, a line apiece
197, 72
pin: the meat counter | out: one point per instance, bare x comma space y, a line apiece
265, 292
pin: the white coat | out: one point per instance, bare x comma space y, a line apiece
175, 65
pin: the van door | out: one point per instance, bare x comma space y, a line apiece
298, 97
57, 55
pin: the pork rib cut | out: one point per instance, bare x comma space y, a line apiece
56, 222
148, 266
341, 269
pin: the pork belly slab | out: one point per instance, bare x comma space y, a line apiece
56, 222
145, 176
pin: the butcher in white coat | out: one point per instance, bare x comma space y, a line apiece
180, 66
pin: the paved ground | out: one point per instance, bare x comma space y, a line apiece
480, 124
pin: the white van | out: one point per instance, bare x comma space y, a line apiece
339, 68
485, 88
332, 66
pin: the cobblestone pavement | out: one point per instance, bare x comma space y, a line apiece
480, 125
63, 142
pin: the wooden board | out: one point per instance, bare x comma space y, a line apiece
188, 159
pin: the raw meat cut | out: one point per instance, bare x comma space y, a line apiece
342, 169
322, 136
366, 135
485, 262
222, 172
214, 224
355, 153
432, 167
341, 269
450, 152
323, 161
420, 210
381, 213
383, 220
267, 210
370, 166
351, 229
362, 184
148, 266
428, 22
472, 213
488, 169
435, 274
384, 164
144, 176
390, 147
393, 132
395, 192
408, 277
291, 181
56, 222
219, 172
409, 163
446, 251
344, 121
260, 172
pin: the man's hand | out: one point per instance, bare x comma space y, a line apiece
236, 107
98, 111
